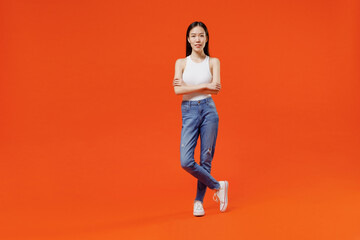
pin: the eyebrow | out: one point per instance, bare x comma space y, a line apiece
195, 33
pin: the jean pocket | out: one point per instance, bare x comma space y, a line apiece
185, 108
211, 104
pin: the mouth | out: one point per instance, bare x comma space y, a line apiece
197, 45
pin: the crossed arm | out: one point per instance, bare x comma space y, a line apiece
180, 87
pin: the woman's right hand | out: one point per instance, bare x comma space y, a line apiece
177, 82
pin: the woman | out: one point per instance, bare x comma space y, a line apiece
197, 77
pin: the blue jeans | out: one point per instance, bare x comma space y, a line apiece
199, 118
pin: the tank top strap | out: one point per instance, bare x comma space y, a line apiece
188, 59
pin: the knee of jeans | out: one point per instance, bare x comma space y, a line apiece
186, 163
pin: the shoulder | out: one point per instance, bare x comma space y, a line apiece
180, 61
214, 61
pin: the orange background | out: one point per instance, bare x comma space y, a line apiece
90, 125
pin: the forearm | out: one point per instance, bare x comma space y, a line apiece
183, 89
208, 91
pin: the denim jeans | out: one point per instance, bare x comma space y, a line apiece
199, 118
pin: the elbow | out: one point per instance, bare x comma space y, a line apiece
177, 91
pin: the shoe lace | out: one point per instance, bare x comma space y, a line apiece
198, 206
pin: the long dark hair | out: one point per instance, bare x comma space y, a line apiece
188, 46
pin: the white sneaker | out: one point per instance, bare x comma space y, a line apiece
222, 195
198, 209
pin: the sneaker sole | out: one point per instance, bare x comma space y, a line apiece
226, 196
199, 214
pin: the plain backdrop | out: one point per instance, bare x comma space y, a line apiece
90, 125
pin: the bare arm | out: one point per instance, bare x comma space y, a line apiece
208, 91
215, 86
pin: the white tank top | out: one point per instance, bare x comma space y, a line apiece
196, 73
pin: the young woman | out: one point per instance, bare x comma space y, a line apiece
197, 77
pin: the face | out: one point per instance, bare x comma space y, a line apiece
197, 38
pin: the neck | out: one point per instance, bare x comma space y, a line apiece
198, 55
